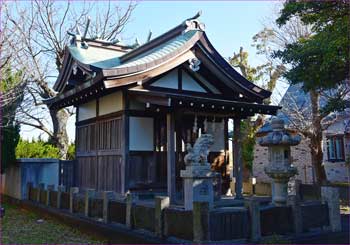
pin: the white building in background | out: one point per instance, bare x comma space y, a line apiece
336, 141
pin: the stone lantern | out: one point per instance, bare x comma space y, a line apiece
280, 167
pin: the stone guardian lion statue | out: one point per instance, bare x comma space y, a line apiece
198, 154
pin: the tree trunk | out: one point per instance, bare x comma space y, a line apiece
60, 136
316, 138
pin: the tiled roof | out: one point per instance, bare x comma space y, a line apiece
160, 51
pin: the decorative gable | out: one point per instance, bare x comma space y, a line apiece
186, 82
169, 81
189, 84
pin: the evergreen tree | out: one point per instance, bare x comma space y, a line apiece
10, 97
320, 61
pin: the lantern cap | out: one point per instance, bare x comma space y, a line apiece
279, 135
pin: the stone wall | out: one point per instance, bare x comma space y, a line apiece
246, 223
335, 171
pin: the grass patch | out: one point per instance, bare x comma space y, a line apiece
20, 226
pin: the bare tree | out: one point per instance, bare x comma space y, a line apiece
36, 45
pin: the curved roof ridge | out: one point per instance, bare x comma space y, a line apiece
189, 24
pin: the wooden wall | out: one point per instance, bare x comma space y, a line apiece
99, 155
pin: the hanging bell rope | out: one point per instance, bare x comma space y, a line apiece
205, 124
195, 124
213, 124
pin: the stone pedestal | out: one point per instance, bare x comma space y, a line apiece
198, 185
279, 183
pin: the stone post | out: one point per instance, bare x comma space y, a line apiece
29, 188
294, 202
49, 189
60, 189
72, 192
88, 194
200, 221
130, 198
161, 202
297, 189
330, 195
106, 195
41, 186
254, 213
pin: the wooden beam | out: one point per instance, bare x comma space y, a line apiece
179, 77
171, 180
238, 161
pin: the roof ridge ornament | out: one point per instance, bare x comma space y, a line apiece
194, 64
193, 23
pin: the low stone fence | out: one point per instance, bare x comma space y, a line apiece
224, 224
276, 220
248, 223
179, 223
313, 192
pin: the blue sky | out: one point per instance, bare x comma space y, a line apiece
229, 25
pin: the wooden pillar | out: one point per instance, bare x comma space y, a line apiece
125, 145
237, 156
171, 174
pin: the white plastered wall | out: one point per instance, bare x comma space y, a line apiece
111, 103
189, 84
87, 110
141, 134
168, 81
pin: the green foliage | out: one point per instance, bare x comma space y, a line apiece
10, 138
9, 129
248, 143
9, 79
322, 60
71, 152
254, 74
36, 149
41, 149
